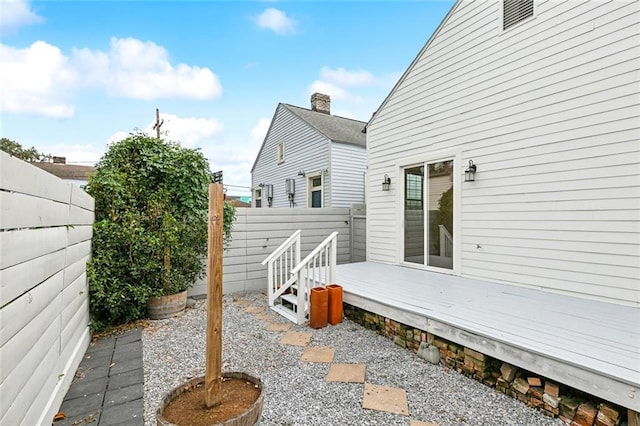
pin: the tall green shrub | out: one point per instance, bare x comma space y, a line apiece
150, 231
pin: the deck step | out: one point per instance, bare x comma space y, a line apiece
290, 298
285, 312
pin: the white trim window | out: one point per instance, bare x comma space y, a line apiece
280, 153
315, 193
257, 197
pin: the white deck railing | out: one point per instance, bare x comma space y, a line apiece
318, 268
279, 266
446, 242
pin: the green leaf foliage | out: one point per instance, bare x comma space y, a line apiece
15, 149
150, 230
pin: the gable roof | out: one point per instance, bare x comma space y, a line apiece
335, 128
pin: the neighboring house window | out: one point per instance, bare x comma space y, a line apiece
428, 214
257, 196
514, 11
315, 190
280, 153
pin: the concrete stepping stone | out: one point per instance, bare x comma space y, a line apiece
243, 302
264, 316
278, 326
348, 373
383, 398
318, 354
253, 309
419, 423
296, 338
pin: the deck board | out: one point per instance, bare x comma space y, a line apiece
600, 340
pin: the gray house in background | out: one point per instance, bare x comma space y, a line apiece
310, 158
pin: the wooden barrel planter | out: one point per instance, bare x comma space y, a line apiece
166, 306
247, 416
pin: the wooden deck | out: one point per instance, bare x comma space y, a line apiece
588, 345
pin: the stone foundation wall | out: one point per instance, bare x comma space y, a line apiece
573, 407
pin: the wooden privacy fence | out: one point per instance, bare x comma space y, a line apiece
257, 232
45, 242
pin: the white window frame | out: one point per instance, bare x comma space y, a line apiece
457, 208
311, 188
257, 196
280, 153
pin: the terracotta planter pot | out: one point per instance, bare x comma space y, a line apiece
318, 309
335, 304
251, 416
166, 306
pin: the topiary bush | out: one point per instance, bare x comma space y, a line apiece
150, 230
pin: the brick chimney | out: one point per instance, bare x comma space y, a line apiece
321, 103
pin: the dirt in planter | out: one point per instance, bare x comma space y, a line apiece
188, 409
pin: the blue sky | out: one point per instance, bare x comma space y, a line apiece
75, 75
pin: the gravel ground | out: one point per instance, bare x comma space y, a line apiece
296, 392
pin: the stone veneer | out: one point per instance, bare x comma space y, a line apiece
572, 406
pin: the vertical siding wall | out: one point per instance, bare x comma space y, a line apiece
45, 242
258, 232
549, 112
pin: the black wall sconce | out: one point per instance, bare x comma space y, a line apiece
386, 183
302, 173
470, 173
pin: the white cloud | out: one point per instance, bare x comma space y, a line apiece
87, 154
40, 79
343, 77
276, 21
189, 131
260, 130
142, 70
117, 137
36, 80
15, 14
358, 92
335, 92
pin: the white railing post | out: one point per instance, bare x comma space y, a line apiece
270, 283
334, 258
279, 260
303, 284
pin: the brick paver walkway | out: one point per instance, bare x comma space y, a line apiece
108, 386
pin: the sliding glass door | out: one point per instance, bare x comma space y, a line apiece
428, 214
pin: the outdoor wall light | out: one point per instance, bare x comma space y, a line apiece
470, 173
386, 183
302, 173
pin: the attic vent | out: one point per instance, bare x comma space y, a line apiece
516, 11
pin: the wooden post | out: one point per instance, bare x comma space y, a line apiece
213, 372
158, 123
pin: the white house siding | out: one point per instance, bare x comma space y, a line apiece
305, 149
549, 112
348, 165
45, 242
